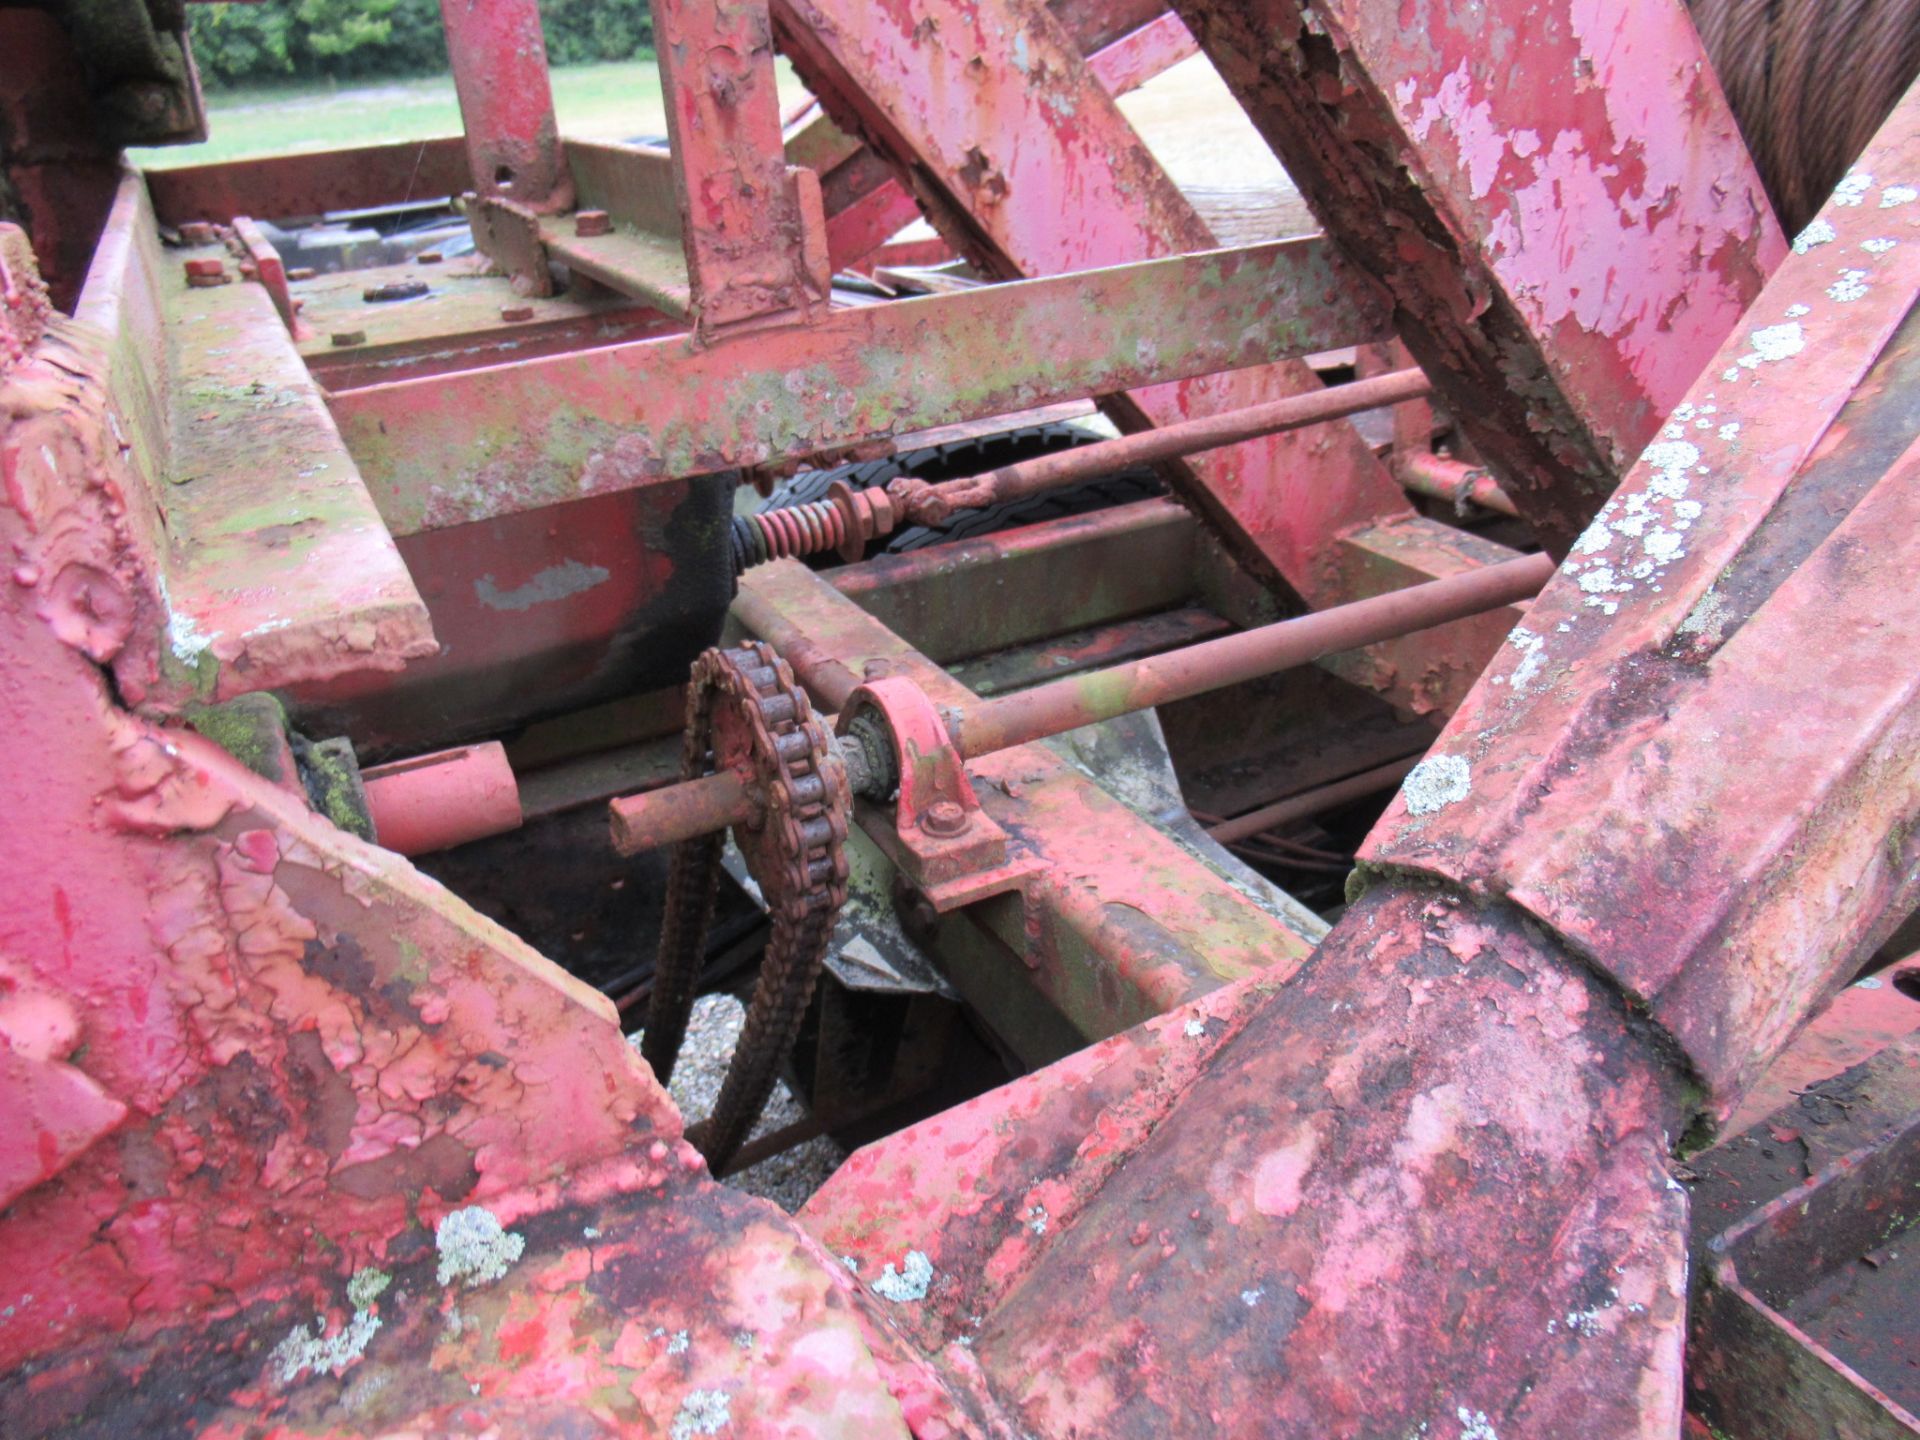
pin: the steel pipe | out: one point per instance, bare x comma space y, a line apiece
679, 812
434, 802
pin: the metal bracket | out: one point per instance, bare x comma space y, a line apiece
939, 837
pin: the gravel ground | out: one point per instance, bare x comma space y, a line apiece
714, 1030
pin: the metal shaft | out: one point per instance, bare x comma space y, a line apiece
1187, 437
679, 812
1054, 709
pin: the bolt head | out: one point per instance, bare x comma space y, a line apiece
206, 266
513, 314
349, 337
592, 222
943, 817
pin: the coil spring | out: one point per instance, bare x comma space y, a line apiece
809, 529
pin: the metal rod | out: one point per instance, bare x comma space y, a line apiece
850, 518
1443, 478
1312, 802
679, 812
1054, 709
1169, 442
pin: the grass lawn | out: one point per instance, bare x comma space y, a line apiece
601, 102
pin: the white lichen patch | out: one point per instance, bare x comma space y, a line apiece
677, 1345
907, 1284
1851, 285
1707, 619
184, 636
1896, 195
1435, 783
1195, 1029
1532, 650
1853, 189
367, 1286
308, 1348
1879, 245
1796, 310
474, 1247
1730, 431
1820, 232
1253, 1297
1774, 343
703, 1412
1037, 1219
1474, 1424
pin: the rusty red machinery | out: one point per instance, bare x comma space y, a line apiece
1393, 925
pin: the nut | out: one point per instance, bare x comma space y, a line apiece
943, 817
349, 337
516, 313
429, 257
205, 271
301, 272
592, 222
397, 290
197, 232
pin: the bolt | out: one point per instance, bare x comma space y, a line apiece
205, 271
301, 272
397, 290
349, 337
516, 313
429, 257
943, 817
587, 223
196, 232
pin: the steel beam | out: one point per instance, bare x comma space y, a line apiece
1623, 773
752, 228
499, 56
1556, 193
453, 448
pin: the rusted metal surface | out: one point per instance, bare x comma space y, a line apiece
969, 150
311, 1148
983, 727
1115, 921
1066, 705
1389, 1137
499, 57
490, 443
1471, 157
312, 184
1621, 773
755, 242
245, 587
434, 802
931, 504
1803, 1323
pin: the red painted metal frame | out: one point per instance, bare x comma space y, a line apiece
753, 229
310, 1145
499, 56
491, 442
1474, 158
